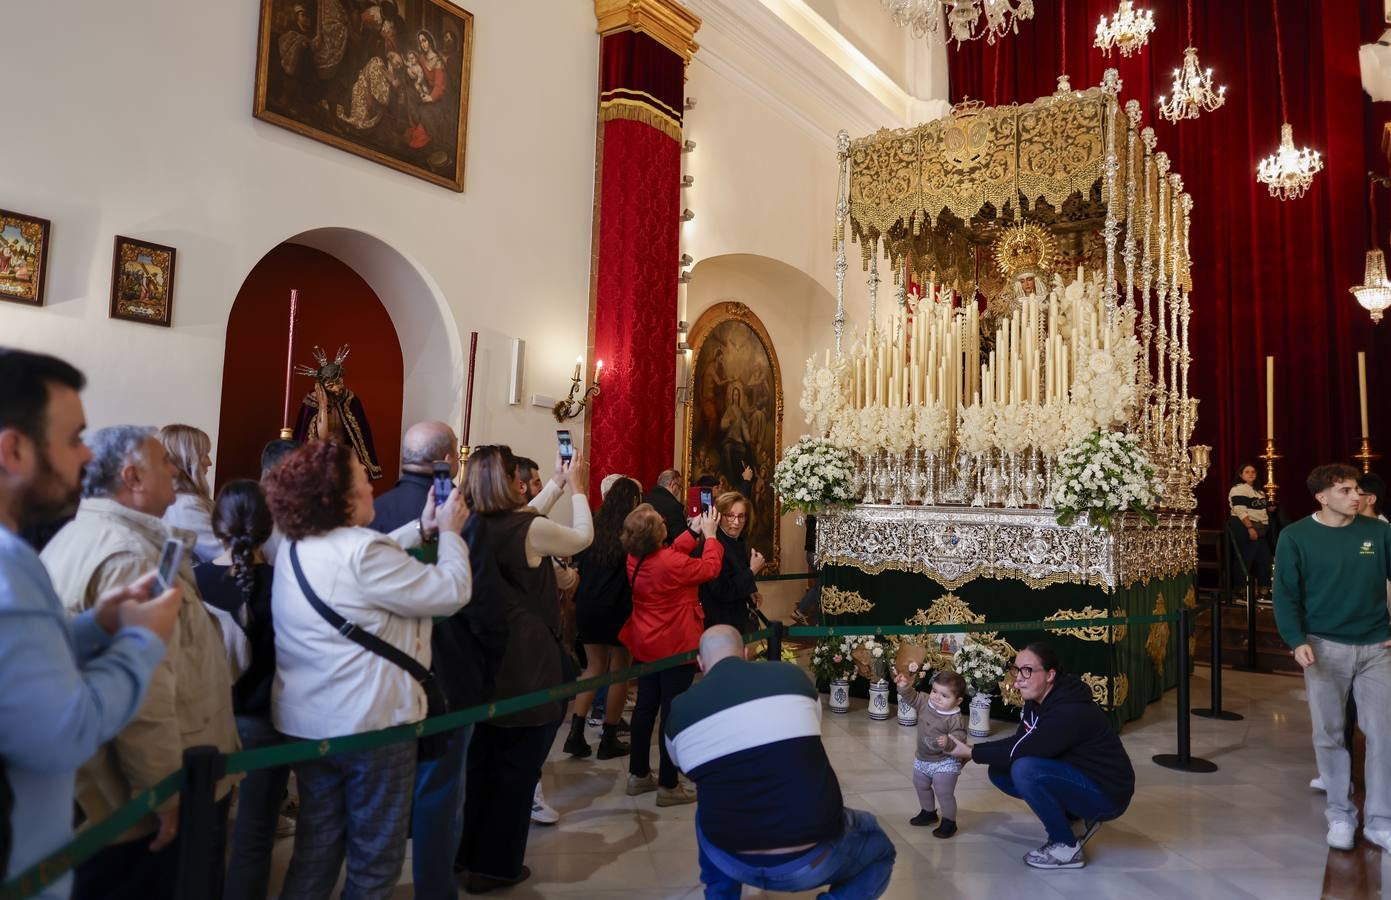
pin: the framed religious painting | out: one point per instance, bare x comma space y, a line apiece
142, 282
734, 417
385, 80
23, 257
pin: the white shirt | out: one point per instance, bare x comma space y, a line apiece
547, 538
326, 685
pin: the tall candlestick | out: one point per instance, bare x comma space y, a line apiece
286, 432
468, 388
1362, 390
1270, 398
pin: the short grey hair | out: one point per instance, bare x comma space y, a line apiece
668, 478
425, 452
113, 449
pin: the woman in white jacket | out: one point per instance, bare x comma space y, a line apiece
326, 685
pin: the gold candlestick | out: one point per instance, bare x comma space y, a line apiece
1365, 455
1269, 457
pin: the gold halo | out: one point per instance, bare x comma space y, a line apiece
1023, 247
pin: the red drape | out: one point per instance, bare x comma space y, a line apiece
1270, 277
637, 210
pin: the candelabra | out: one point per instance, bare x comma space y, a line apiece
576, 402
1192, 93
1269, 457
1288, 172
1127, 31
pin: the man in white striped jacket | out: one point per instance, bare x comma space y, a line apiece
769, 812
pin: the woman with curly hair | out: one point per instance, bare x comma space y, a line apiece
327, 684
238, 583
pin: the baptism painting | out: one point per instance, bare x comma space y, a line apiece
142, 282
23, 257
385, 79
735, 416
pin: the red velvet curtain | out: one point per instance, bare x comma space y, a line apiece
1270, 277
637, 226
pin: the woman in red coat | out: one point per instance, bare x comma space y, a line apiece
666, 620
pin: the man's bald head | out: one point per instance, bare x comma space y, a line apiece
426, 442
720, 642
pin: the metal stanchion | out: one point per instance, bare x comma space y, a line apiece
775, 641
201, 867
1184, 760
1216, 711
1250, 665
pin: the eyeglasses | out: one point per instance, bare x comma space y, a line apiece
735, 517
1020, 672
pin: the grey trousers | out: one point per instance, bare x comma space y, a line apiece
1365, 671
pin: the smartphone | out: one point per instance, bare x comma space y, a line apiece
567, 449
693, 495
444, 483
170, 558
707, 499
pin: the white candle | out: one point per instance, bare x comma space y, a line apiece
1361, 388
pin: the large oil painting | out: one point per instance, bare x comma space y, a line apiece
385, 79
734, 418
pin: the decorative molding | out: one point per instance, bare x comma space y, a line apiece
665, 21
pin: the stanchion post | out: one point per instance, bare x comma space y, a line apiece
1251, 664
200, 868
775, 640
1184, 760
1215, 711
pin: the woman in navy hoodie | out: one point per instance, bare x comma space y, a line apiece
1064, 761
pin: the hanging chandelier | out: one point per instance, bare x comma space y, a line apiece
1374, 293
965, 20
1192, 93
1127, 31
1288, 172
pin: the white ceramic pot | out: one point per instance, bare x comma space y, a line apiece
907, 713
840, 696
879, 701
980, 716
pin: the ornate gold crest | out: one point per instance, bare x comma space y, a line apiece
1120, 689
836, 602
1089, 633
1157, 641
949, 609
1026, 248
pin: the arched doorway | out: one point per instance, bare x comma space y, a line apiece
336, 307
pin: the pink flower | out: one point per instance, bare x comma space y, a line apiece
836, 657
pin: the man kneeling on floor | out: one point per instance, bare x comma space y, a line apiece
1065, 760
769, 810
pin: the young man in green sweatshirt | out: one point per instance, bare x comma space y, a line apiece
1331, 574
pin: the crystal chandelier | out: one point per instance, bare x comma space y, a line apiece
1374, 293
1192, 93
964, 19
1289, 172
1127, 32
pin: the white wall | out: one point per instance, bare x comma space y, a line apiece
145, 129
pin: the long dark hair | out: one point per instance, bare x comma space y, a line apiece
623, 497
242, 522
1242, 468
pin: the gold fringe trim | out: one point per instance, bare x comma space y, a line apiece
614, 93
634, 111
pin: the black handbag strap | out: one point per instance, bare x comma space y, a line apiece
363, 638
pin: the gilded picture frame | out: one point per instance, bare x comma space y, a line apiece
734, 414
142, 282
388, 82
23, 257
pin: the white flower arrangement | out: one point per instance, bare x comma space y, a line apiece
930, 427
981, 666
814, 474
824, 390
1013, 426
873, 433
976, 430
831, 658
1104, 475
878, 655
898, 429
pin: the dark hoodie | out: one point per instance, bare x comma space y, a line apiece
1070, 727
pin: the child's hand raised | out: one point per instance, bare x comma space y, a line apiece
902, 682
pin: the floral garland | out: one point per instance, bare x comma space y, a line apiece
1104, 475
814, 474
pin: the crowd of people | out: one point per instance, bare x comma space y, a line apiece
305, 609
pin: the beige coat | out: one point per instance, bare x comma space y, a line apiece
189, 702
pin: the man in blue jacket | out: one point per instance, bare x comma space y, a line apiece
1065, 761
66, 687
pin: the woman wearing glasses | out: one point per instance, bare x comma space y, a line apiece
727, 599
1064, 761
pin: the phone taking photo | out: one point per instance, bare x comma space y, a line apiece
444, 482
170, 558
567, 449
707, 500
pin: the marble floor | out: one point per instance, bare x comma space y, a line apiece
1253, 829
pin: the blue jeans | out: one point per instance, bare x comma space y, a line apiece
260, 797
438, 818
1054, 790
855, 866
358, 804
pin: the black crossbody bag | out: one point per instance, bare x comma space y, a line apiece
431, 747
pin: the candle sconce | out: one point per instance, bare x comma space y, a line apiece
576, 402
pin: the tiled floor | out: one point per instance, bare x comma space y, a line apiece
1251, 830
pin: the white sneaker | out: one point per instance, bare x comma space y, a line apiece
1379, 836
1056, 856
541, 813
1316, 784
1341, 834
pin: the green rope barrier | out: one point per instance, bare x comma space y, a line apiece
974, 627
88, 842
